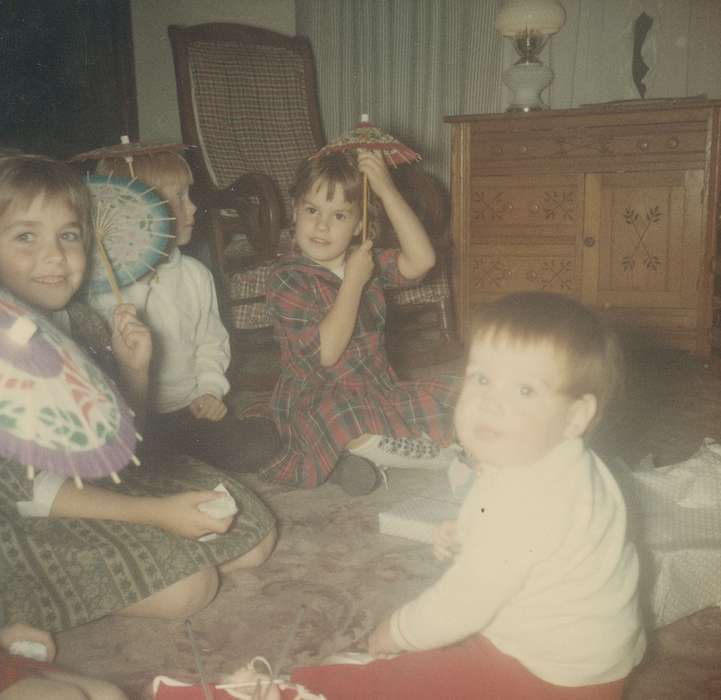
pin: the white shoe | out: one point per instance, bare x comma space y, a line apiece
247, 683
405, 453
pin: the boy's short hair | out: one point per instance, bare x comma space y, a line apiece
161, 169
335, 169
25, 177
590, 349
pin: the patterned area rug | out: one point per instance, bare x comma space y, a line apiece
332, 561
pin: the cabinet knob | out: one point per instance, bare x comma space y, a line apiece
534, 208
672, 142
497, 150
642, 144
589, 241
523, 149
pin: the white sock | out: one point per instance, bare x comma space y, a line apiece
408, 453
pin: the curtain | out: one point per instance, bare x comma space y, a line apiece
405, 63
408, 63
68, 81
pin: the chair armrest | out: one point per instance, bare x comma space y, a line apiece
271, 211
252, 190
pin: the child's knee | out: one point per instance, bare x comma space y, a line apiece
40, 687
100, 690
255, 557
179, 600
192, 594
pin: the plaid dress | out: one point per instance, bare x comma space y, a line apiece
317, 409
58, 573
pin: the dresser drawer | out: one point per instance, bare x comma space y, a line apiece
502, 269
541, 207
582, 147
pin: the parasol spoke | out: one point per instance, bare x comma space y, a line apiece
160, 252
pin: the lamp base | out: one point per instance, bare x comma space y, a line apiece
527, 81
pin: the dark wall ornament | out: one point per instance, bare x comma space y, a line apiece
639, 69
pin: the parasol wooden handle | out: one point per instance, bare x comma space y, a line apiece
108, 269
365, 208
125, 139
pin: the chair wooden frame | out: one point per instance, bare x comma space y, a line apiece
211, 199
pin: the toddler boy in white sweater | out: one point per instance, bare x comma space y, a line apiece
540, 599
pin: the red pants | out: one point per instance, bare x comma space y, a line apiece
474, 670
15, 668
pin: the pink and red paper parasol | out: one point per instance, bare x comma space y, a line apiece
367, 136
58, 411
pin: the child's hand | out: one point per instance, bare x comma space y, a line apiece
209, 407
359, 264
131, 341
180, 515
372, 164
445, 543
380, 641
25, 633
460, 475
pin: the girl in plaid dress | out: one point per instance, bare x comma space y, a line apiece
339, 406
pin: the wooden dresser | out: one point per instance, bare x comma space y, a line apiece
615, 206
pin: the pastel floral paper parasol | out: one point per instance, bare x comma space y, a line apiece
58, 411
366, 136
133, 229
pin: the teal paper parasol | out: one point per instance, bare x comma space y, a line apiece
133, 229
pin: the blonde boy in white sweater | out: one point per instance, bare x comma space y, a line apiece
191, 345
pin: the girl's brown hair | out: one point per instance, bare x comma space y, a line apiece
25, 177
335, 169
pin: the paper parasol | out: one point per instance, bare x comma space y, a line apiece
132, 230
367, 136
58, 411
126, 150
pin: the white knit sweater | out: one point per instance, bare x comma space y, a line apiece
191, 349
545, 573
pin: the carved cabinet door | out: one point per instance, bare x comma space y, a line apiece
642, 244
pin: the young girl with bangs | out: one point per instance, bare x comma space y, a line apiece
341, 410
69, 556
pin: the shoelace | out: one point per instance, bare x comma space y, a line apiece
262, 681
